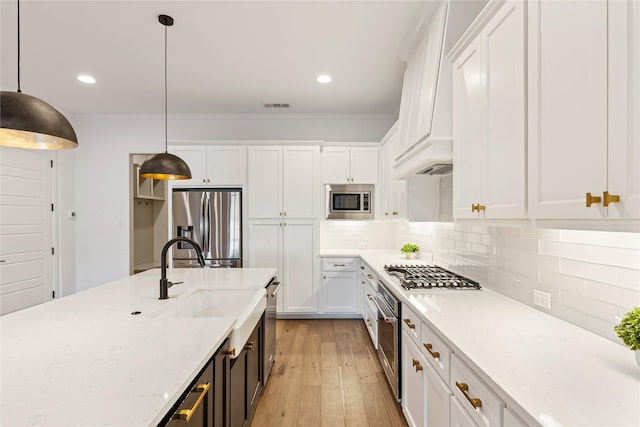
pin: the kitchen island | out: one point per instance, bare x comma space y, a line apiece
87, 360
548, 371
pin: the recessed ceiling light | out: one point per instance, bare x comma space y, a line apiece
324, 78
85, 78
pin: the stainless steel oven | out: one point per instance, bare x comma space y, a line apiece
389, 336
351, 201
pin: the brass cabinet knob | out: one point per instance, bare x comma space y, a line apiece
609, 198
593, 199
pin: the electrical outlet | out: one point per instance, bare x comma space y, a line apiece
362, 245
542, 299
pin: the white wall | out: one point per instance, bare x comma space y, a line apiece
102, 174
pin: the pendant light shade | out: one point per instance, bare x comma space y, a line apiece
29, 122
165, 166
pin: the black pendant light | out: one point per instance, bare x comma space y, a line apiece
29, 122
164, 165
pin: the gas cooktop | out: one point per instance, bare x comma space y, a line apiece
417, 277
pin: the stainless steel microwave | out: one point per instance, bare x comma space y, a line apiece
351, 201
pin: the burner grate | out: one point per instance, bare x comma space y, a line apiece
429, 277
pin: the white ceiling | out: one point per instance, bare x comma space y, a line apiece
223, 56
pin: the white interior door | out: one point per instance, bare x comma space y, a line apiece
26, 228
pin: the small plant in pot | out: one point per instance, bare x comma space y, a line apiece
629, 331
409, 250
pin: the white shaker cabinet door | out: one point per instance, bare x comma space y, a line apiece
504, 159
336, 167
414, 400
567, 107
299, 263
364, 165
468, 129
196, 158
300, 192
265, 182
265, 249
226, 165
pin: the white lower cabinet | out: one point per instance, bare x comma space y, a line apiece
438, 398
290, 246
414, 394
369, 284
340, 288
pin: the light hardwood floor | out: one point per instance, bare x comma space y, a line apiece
326, 373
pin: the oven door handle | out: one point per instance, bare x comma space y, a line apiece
387, 319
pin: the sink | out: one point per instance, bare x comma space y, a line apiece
246, 306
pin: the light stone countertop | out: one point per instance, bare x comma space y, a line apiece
547, 370
85, 360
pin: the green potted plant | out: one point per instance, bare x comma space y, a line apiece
409, 250
629, 331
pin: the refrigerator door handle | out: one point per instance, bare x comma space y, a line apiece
208, 241
203, 220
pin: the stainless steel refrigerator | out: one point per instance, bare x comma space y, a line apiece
213, 219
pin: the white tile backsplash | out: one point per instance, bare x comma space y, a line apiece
592, 275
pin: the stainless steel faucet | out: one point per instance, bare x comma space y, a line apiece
164, 283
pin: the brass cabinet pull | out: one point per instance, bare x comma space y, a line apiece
409, 324
480, 207
609, 198
592, 199
474, 208
251, 346
231, 352
339, 265
186, 414
417, 365
369, 322
429, 347
395, 213
362, 267
284, 214
464, 388
369, 276
386, 213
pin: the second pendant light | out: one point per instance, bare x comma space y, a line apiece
165, 166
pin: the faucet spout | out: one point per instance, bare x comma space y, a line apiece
164, 283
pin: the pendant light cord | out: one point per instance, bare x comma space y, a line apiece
19, 91
166, 148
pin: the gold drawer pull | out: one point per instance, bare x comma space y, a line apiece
231, 352
464, 388
409, 324
417, 365
610, 198
369, 276
362, 267
251, 346
186, 414
369, 322
395, 213
592, 199
429, 347
339, 265
474, 208
478, 207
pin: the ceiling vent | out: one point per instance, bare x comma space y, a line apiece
276, 105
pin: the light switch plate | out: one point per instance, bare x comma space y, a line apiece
362, 245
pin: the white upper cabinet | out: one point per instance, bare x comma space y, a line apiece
420, 83
489, 115
350, 165
583, 109
222, 165
283, 182
394, 191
